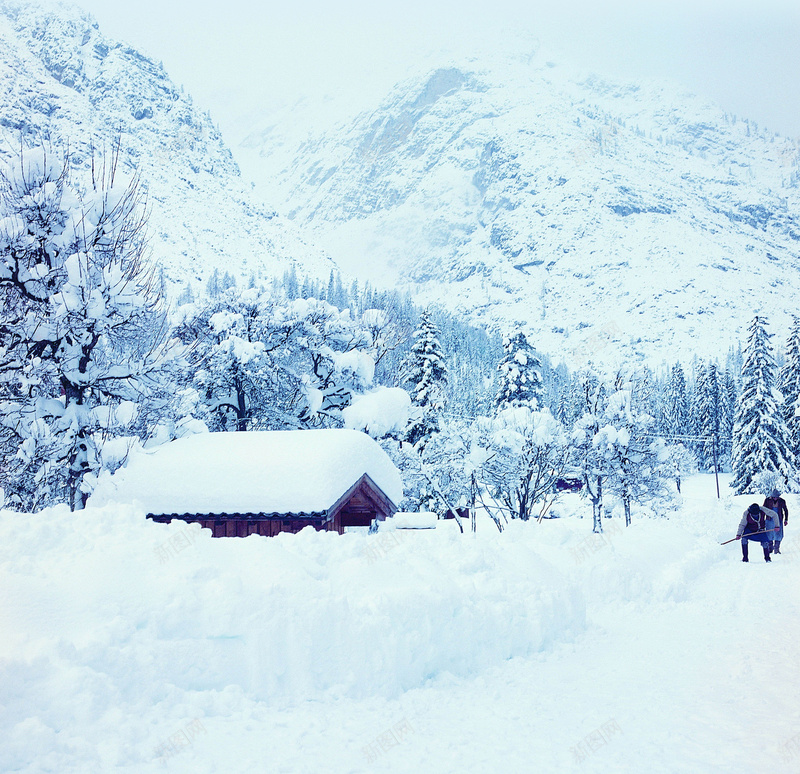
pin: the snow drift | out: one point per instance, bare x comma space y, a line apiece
128, 646
140, 608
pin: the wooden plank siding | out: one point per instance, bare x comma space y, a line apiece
360, 505
243, 525
363, 503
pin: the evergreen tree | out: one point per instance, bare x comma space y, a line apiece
696, 413
727, 411
562, 412
213, 286
227, 282
760, 441
675, 416
186, 296
790, 387
557, 390
367, 299
708, 415
330, 294
290, 284
648, 397
340, 294
471, 361
520, 375
424, 371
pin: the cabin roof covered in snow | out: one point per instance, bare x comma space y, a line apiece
292, 471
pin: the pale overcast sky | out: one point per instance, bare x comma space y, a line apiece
741, 54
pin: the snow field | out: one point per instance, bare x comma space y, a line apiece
132, 646
106, 612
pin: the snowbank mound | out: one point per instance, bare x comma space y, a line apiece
106, 598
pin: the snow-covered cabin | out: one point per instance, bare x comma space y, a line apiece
244, 483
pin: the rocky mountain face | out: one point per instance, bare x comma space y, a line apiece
607, 221
63, 82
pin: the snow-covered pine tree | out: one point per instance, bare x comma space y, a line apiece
790, 387
425, 373
727, 411
471, 356
520, 375
330, 293
213, 286
291, 285
734, 360
760, 440
708, 415
696, 411
560, 388
675, 416
228, 282
186, 296
648, 399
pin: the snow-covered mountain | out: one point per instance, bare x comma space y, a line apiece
62, 80
603, 219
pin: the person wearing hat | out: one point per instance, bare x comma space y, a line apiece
778, 504
753, 526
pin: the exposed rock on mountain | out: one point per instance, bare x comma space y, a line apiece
603, 219
62, 81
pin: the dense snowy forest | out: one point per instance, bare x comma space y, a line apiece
94, 363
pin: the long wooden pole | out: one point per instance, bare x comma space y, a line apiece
760, 532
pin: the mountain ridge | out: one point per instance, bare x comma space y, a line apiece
63, 82
607, 220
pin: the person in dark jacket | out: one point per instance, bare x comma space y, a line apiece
753, 526
777, 504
